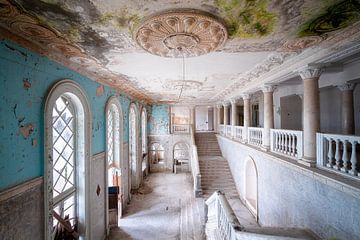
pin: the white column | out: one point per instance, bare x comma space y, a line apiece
246, 98
218, 115
226, 113
347, 108
215, 122
234, 113
311, 113
268, 115
193, 118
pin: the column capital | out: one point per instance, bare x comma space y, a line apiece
310, 72
233, 100
218, 105
191, 107
346, 87
245, 96
268, 88
226, 104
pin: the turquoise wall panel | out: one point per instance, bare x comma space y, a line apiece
159, 120
25, 79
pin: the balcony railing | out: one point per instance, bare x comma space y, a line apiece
338, 153
239, 132
229, 131
222, 129
287, 142
255, 136
181, 128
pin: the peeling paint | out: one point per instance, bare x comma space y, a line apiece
27, 130
34, 142
26, 84
100, 91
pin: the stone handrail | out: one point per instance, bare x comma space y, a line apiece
338, 153
255, 136
181, 128
287, 142
226, 221
194, 164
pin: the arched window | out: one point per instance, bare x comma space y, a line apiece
113, 165
134, 166
113, 138
144, 139
67, 152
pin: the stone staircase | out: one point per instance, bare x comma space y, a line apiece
216, 175
192, 219
207, 145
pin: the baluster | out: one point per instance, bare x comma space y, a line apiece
275, 141
282, 142
294, 152
330, 154
345, 158
353, 160
337, 155
286, 143
290, 144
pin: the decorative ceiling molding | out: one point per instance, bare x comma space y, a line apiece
338, 45
182, 84
178, 33
30, 33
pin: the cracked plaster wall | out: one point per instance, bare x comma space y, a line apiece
289, 196
26, 78
159, 121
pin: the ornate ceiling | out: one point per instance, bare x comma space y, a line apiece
99, 38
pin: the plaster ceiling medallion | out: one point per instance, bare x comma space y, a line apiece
180, 84
181, 33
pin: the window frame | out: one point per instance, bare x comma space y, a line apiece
73, 92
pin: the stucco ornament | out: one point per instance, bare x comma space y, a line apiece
180, 33
179, 84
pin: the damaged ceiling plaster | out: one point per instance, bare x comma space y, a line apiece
106, 40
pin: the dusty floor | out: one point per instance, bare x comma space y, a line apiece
154, 212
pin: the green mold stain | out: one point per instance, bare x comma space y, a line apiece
247, 18
334, 17
122, 19
74, 34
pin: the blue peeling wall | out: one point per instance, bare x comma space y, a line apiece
159, 120
25, 79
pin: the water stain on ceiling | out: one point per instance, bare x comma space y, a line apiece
104, 30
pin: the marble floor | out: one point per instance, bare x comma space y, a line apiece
154, 211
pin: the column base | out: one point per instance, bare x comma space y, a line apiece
309, 162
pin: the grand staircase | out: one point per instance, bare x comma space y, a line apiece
216, 175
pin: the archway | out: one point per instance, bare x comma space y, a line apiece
181, 157
251, 186
156, 156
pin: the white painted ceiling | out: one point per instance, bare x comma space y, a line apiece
213, 71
